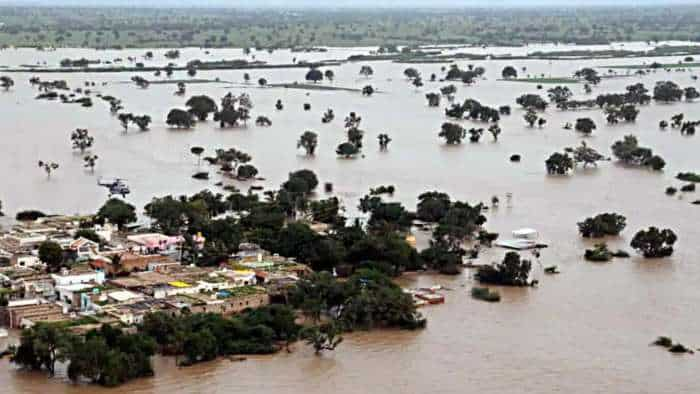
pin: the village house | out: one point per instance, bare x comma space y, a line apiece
128, 262
70, 296
155, 243
26, 313
134, 312
79, 274
26, 260
16, 242
225, 302
144, 277
36, 285
143, 282
83, 249
100, 299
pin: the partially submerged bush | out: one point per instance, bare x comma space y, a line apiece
688, 188
599, 253
485, 294
654, 242
512, 271
679, 348
688, 176
666, 342
602, 225
621, 254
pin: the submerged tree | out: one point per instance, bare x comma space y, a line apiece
654, 243
384, 141
691, 93
179, 118
322, 338
308, 141
140, 81
411, 73
366, 71
233, 110
475, 134
585, 154
628, 151
81, 139
181, 89
42, 346
347, 150
559, 164
677, 120
355, 136
532, 101
48, 167
90, 161
452, 133
201, 106
433, 99
124, 119
417, 82
246, 171
495, 131
449, 92
588, 74
667, 91
6, 82
559, 94
512, 271
352, 120
263, 121
509, 72
328, 116
197, 151
599, 253
585, 125
530, 117
142, 122
610, 224
314, 75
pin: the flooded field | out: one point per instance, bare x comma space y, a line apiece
585, 330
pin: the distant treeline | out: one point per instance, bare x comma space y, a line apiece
268, 28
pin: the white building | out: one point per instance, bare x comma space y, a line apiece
68, 278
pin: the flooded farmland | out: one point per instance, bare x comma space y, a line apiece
585, 330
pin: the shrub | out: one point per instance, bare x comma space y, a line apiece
602, 225
484, 294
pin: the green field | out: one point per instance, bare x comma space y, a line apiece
267, 28
657, 65
543, 80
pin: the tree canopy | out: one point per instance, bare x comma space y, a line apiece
653, 242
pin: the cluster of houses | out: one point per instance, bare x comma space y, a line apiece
126, 276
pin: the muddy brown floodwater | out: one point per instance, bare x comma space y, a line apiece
585, 330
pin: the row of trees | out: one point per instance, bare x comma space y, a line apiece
626, 150
473, 109
233, 109
107, 356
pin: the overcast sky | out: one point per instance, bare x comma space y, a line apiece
345, 3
